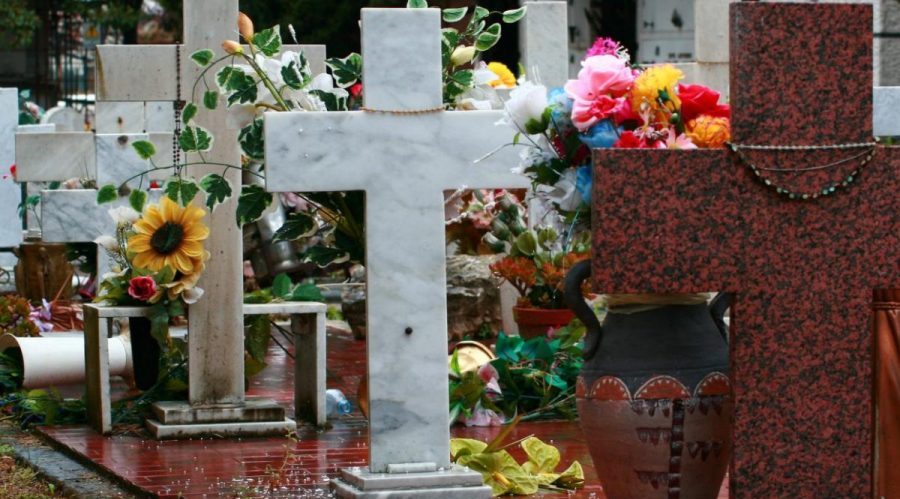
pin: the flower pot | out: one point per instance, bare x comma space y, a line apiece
43, 270
144, 353
654, 398
535, 322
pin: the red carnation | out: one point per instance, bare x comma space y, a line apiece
142, 288
698, 100
628, 140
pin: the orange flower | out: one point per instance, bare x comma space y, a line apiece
518, 271
708, 131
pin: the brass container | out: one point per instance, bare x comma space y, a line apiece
43, 271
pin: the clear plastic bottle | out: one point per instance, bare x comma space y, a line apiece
336, 404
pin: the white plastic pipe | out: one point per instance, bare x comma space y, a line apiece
59, 359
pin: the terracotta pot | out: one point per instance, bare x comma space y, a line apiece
654, 398
535, 322
43, 270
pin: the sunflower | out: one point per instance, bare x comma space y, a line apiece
505, 77
169, 235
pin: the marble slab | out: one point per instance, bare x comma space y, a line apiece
46, 157
885, 119
545, 42
119, 117
159, 117
10, 191
37, 128
117, 161
408, 35
154, 81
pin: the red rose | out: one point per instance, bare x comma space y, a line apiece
628, 140
356, 89
142, 288
698, 100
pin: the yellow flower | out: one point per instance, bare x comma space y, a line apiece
169, 235
506, 77
708, 131
654, 91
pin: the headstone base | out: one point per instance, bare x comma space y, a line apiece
256, 417
455, 483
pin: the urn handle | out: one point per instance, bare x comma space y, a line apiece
717, 308
575, 301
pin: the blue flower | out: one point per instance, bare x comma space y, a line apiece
561, 105
583, 181
602, 135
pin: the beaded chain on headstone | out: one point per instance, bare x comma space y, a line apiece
411, 111
866, 156
176, 134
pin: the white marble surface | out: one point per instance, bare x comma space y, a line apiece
404, 163
45, 157
545, 42
119, 117
10, 192
154, 82
65, 118
159, 117
117, 161
886, 121
38, 128
402, 59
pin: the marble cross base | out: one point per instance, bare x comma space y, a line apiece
406, 482
256, 417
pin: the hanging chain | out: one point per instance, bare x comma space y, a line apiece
864, 159
176, 150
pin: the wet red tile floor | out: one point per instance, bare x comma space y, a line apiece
280, 467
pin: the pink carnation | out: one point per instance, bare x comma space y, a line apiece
598, 91
603, 46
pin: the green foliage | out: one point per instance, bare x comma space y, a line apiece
107, 193
346, 71
210, 99
144, 148
268, 41
217, 189
137, 199
454, 15
203, 57
11, 374
252, 203
298, 225
252, 141
195, 139
297, 73
416, 4
188, 113
181, 190
19, 22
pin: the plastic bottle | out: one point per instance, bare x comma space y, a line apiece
336, 404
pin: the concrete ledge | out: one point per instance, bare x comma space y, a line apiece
254, 429
252, 411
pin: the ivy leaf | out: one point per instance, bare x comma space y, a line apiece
195, 139
488, 38
252, 203
144, 148
324, 256
268, 41
251, 140
107, 193
245, 91
346, 71
188, 113
281, 286
479, 14
306, 291
229, 77
514, 15
454, 15
296, 226
137, 199
203, 57
333, 102
459, 82
297, 74
217, 189
416, 4
181, 190
449, 41
210, 99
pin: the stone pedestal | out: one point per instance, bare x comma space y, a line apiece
255, 417
415, 480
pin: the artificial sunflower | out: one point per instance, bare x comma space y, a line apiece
505, 77
170, 235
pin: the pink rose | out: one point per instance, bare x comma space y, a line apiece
142, 288
603, 79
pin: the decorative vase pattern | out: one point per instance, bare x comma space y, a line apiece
654, 398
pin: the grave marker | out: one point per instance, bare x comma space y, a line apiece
404, 151
804, 271
10, 192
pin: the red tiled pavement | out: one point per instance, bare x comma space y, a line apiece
278, 467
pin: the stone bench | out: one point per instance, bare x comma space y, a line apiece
307, 325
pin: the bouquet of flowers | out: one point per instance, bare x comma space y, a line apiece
611, 104
158, 258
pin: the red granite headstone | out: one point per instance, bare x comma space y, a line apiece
804, 270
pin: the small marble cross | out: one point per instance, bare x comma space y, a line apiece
404, 151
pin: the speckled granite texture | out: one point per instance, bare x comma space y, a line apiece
802, 349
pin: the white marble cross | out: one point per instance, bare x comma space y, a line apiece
404, 152
545, 42
10, 192
216, 342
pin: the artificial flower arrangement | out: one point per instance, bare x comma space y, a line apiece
158, 258
612, 103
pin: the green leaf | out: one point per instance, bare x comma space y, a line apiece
324, 256
251, 140
479, 14
268, 41
281, 286
188, 113
449, 41
572, 478
298, 225
210, 99
252, 367
230, 78
203, 57
306, 291
144, 148
514, 15
459, 82
346, 71
217, 189
195, 139
416, 4
107, 193
526, 243
181, 190
137, 199
256, 336
333, 102
542, 458
297, 74
515, 479
252, 203
246, 92
465, 446
488, 38
454, 15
